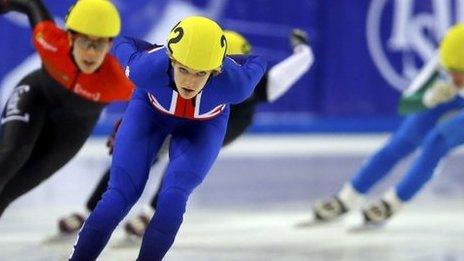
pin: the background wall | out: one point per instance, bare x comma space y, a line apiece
366, 52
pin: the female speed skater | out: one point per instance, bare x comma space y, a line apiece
183, 90
53, 110
275, 83
440, 89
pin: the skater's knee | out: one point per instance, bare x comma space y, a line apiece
171, 208
118, 198
172, 200
123, 184
13, 155
111, 209
436, 143
121, 192
183, 180
175, 193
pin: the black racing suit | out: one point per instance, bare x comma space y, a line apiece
43, 124
42, 127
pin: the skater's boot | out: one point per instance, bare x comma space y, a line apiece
381, 211
136, 226
336, 206
71, 224
330, 209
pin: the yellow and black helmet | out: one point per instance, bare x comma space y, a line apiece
98, 18
198, 43
236, 43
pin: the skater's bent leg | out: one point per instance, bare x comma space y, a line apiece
405, 140
182, 176
121, 195
21, 124
138, 140
50, 153
439, 142
379, 165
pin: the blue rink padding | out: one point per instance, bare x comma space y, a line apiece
326, 125
300, 125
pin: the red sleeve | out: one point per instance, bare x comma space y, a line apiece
49, 40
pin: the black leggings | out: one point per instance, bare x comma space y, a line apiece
240, 118
42, 127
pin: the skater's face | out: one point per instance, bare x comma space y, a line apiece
189, 82
458, 79
89, 52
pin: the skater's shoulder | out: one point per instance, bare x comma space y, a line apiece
150, 68
47, 37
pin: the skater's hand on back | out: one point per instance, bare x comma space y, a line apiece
112, 137
440, 93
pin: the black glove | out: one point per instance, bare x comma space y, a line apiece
298, 37
112, 137
34, 9
3, 6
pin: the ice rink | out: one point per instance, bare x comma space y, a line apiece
251, 205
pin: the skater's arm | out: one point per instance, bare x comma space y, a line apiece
244, 72
125, 49
34, 9
283, 75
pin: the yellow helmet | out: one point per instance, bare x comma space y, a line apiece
198, 43
452, 48
236, 43
98, 18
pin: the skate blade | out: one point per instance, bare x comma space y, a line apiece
127, 242
313, 222
59, 239
366, 227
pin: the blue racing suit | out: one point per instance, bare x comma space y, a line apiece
430, 129
197, 127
